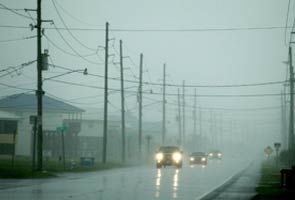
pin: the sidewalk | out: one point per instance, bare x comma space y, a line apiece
242, 186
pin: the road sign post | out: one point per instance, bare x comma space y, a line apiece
277, 146
62, 130
268, 151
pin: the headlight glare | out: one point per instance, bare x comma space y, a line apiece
159, 156
192, 158
176, 156
203, 159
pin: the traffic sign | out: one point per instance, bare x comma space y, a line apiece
268, 150
62, 128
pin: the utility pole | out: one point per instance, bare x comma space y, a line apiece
164, 105
183, 111
195, 142
291, 131
200, 130
39, 89
195, 113
105, 120
283, 120
200, 122
140, 107
179, 117
122, 104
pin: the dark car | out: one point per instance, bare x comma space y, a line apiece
215, 154
169, 155
198, 158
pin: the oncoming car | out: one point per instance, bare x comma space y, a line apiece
215, 154
169, 155
198, 158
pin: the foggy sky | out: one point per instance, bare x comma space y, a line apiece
198, 57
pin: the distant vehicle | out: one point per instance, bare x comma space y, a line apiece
215, 154
169, 155
198, 158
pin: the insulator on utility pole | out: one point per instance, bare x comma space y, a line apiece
45, 60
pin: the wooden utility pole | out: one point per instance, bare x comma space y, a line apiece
122, 104
195, 140
164, 105
179, 117
283, 119
200, 123
39, 90
140, 107
195, 113
105, 119
183, 111
291, 123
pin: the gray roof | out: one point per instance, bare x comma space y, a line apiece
29, 102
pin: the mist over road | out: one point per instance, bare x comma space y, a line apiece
144, 182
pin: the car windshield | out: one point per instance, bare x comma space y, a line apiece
169, 149
198, 154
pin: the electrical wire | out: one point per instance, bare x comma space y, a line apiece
64, 51
76, 52
15, 87
187, 85
170, 94
18, 39
15, 11
65, 25
180, 30
16, 68
73, 17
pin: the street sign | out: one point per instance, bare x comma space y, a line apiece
268, 150
62, 128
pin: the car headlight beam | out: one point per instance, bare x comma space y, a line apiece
159, 156
176, 156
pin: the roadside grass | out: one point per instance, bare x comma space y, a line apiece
21, 168
269, 186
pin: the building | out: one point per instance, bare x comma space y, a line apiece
55, 114
8, 130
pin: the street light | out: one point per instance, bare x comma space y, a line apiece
85, 72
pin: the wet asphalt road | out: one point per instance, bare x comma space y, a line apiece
144, 183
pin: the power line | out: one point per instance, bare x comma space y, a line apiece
187, 85
180, 30
161, 30
15, 87
75, 51
14, 11
73, 17
65, 25
64, 51
18, 39
16, 68
170, 94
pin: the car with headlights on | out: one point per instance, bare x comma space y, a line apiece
198, 158
169, 156
215, 154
